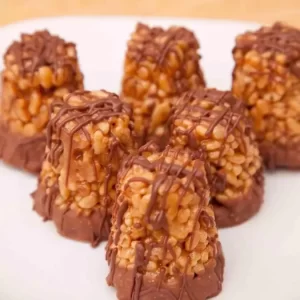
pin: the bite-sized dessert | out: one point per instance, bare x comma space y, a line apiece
37, 69
215, 121
159, 66
88, 135
267, 77
164, 241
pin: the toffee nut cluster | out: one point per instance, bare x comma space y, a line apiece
38, 69
163, 209
215, 122
88, 135
267, 78
159, 66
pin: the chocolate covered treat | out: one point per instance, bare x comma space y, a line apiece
164, 242
267, 77
215, 121
38, 69
87, 137
160, 65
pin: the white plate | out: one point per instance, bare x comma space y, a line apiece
262, 256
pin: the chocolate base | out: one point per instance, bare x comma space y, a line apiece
242, 208
277, 156
22, 152
133, 285
160, 140
92, 229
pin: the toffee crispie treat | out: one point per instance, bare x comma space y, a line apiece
164, 242
38, 69
159, 66
267, 77
87, 137
215, 121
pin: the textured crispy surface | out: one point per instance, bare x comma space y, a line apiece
38, 69
87, 137
266, 76
163, 226
159, 66
215, 121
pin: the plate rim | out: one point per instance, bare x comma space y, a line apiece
127, 18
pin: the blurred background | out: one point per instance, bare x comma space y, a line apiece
263, 11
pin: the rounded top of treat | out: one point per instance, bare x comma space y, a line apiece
40, 49
156, 189
80, 108
211, 95
174, 162
217, 121
95, 105
84, 107
158, 42
88, 119
210, 106
163, 171
279, 37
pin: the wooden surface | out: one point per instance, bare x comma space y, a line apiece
264, 11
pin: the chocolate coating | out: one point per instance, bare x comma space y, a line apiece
279, 156
228, 112
91, 109
22, 152
184, 287
138, 283
241, 209
92, 229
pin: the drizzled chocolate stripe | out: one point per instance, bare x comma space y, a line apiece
231, 112
92, 109
278, 38
166, 174
157, 43
41, 49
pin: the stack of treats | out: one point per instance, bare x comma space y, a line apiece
159, 169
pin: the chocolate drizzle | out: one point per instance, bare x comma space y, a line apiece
41, 49
231, 116
166, 170
157, 43
92, 111
47, 199
160, 65
278, 38
69, 120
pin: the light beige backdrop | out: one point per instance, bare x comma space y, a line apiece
264, 11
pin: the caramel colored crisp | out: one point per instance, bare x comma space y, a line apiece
266, 76
277, 39
87, 137
159, 66
40, 49
38, 69
215, 121
164, 238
